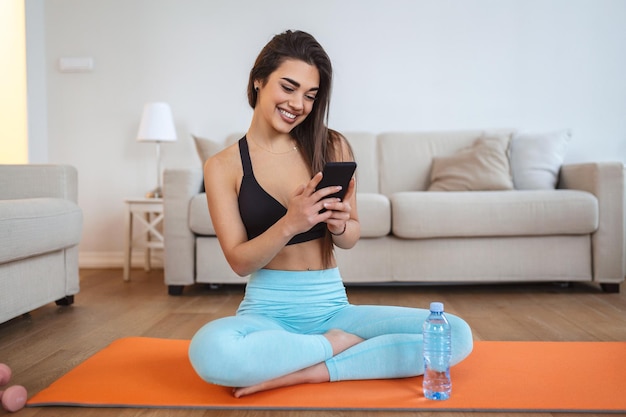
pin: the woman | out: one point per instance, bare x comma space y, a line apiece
295, 324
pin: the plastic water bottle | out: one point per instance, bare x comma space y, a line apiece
437, 352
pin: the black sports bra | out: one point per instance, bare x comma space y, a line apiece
259, 210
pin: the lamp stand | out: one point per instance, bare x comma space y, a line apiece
157, 192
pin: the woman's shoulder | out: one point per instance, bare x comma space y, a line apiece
226, 160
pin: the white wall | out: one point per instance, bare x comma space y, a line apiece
36, 76
399, 64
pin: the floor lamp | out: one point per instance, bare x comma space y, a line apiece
157, 125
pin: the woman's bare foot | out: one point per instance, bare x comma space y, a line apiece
338, 339
341, 340
313, 374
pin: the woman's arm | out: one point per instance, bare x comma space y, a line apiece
244, 257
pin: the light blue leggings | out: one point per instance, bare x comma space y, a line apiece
279, 327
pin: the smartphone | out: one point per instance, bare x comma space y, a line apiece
337, 173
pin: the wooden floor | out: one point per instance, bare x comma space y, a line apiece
45, 344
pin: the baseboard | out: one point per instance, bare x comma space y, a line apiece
116, 259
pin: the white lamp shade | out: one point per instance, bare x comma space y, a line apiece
157, 124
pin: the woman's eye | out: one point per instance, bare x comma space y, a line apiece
289, 89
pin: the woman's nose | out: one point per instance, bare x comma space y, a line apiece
296, 102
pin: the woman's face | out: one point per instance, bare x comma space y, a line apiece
287, 97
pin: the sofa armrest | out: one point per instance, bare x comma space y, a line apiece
179, 186
38, 180
605, 180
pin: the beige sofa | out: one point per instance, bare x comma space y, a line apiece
40, 228
514, 214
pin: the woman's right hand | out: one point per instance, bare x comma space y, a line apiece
306, 204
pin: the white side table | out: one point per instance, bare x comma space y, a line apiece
149, 213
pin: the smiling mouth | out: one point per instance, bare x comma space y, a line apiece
287, 114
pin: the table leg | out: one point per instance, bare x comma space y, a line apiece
128, 244
148, 251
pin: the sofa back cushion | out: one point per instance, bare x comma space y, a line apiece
364, 148
405, 158
482, 167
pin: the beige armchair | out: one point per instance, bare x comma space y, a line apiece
40, 228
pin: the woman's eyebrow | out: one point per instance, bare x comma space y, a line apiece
297, 84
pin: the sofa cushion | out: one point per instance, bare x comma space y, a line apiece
206, 148
199, 218
33, 226
364, 149
374, 214
405, 158
536, 159
493, 213
484, 166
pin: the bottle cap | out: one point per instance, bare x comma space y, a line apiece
436, 307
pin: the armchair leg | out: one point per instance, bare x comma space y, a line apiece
175, 289
68, 300
610, 288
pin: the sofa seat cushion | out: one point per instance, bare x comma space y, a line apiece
34, 226
199, 218
374, 214
493, 213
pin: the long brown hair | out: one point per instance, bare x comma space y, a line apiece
317, 143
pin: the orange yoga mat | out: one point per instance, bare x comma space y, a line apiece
497, 376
